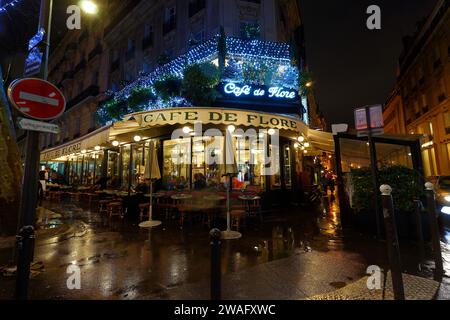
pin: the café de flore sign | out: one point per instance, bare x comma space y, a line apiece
217, 116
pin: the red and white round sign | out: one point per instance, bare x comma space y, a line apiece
37, 99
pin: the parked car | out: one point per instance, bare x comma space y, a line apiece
443, 198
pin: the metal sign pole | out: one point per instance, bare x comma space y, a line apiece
25, 237
373, 166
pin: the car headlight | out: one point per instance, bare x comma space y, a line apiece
447, 198
445, 210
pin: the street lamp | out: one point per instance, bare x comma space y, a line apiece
89, 7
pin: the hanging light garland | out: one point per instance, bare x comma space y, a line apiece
253, 52
248, 61
8, 4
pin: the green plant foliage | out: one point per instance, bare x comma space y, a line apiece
232, 71
199, 83
111, 111
363, 189
250, 30
139, 98
293, 51
260, 73
304, 78
168, 88
163, 59
250, 73
405, 183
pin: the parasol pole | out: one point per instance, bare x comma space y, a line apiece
151, 223
229, 173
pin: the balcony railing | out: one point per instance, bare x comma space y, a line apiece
120, 16
83, 36
96, 51
68, 75
91, 91
195, 7
437, 64
147, 42
72, 46
169, 26
80, 66
115, 65
129, 54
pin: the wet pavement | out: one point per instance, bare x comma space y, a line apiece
118, 260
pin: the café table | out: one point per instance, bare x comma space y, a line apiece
181, 197
181, 206
214, 198
123, 193
154, 195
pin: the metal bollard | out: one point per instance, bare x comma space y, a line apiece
215, 236
392, 242
435, 236
419, 230
25, 244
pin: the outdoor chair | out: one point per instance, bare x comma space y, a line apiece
102, 205
166, 205
115, 208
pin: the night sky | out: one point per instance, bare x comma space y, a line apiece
351, 65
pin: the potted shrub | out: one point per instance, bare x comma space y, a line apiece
405, 183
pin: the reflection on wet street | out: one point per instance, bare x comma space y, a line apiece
118, 260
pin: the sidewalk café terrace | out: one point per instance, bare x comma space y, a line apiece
119, 152
254, 119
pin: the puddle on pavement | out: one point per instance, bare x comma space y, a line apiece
118, 259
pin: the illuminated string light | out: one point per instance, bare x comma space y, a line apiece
9, 4
257, 52
242, 55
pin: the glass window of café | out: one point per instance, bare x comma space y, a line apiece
207, 161
113, 172
287, 163
250, 162
126, 166
140, 155
57, 171
75, 167
196, 163
199, 162
275, 176
125, 151
91, 165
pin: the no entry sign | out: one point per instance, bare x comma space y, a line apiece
37, 99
